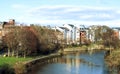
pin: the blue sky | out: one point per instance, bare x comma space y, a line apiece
58, 12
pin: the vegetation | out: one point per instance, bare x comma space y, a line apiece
33, 40
12, 60
22, 41
113, 61
9, 65
109, 39
47, 39
36, 40
6, 69
18, 41
105, 36
19, 68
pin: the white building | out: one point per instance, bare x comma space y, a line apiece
71, 33
117, 31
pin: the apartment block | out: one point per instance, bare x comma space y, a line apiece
73, 34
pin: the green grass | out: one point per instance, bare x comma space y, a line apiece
12, 60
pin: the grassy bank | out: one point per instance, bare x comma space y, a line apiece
12, 65
114, 58
113, 61
12, 60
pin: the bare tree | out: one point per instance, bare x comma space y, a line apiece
21, 40
27, 41
47, 38
110, 39
11, 41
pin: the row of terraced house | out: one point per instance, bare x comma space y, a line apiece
72, 33
80, 34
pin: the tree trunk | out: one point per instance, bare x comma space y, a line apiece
8, 52
13, 53
110, 49
17, 54
24, 54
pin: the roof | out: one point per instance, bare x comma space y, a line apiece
71, 25
64, 28
118, 28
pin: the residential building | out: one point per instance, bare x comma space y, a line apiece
117, 31
91, 32
66, 34
73, 34
83, 34
59, 33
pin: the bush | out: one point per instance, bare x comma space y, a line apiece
6, 69
20, 68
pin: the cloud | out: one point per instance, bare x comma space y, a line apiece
61, 14
75, 13
18, 6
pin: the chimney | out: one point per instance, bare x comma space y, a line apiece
12, 22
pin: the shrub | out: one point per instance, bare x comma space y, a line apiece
20, 68
6, 69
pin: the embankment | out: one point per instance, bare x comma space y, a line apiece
30, 65
83, 48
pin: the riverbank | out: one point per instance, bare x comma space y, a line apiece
21, 65
84, 48
113, 61
12, 60
8, 64
75, 63
29, 65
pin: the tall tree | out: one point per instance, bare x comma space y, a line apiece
47, 38
109, 38
27, 41
21, 40
11, 41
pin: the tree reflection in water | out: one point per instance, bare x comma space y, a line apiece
76, 63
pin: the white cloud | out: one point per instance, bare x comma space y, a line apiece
69, 12
18, 6
61, 14
118, 11
86, 16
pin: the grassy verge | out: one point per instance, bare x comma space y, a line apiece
114, 58
12, 60
113, 62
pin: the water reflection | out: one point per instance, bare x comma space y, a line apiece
76, 63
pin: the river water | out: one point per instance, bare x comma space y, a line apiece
76, 63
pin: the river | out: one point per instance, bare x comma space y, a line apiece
76, 63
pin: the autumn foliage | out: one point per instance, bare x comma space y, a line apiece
33, 40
